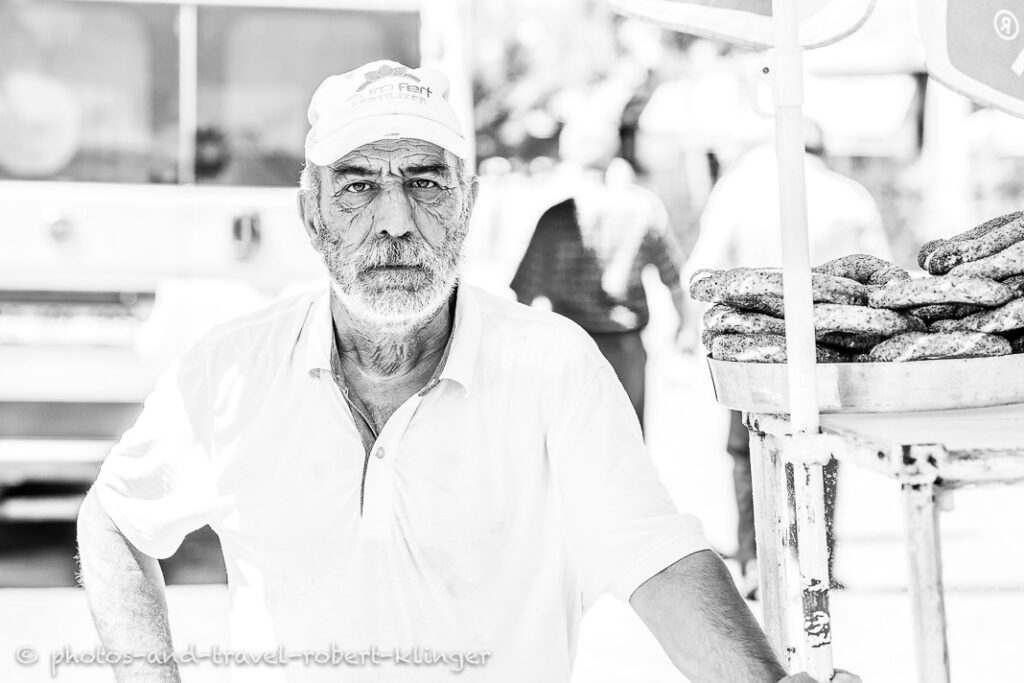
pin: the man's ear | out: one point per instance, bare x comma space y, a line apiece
307, 214
474, 191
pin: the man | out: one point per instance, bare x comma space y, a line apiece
740, 227
432, 481
587, 253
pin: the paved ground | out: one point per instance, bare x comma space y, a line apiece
983, 557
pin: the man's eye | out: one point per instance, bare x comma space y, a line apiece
422, 184
356, 188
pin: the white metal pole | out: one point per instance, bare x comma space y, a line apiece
787, 87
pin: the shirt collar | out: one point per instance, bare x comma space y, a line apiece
316, 346
460, 362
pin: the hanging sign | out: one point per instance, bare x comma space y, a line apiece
749, 22
976, 47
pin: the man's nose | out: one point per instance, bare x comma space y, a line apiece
394, 213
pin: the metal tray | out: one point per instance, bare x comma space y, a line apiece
876, 387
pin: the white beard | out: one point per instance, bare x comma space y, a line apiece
393, 303
396, 299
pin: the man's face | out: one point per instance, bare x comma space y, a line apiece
392, 219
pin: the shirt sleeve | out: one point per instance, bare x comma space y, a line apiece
621, 526
156, 483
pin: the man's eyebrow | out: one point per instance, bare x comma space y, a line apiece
427, 169
358, 171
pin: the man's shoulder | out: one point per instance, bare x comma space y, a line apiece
562, 213
278, 321
533, 330
506, 315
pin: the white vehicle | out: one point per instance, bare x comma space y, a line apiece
149, 155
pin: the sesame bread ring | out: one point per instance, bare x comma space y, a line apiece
935, 345
721, 318
739, 285
702, 273
988, 226
707, 337
850, 327
933, 312
864, 268
1001, 233
1003, 319
850, 341
998, 266
1016, 283
948, 289
926, 249
1016, 339
861, 319
766, 304
764, 348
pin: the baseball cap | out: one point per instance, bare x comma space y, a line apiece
382, 100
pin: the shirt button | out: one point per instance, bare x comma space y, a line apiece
380, 452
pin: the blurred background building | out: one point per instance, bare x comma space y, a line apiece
149, 155
150, 151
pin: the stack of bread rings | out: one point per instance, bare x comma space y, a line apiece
869, 310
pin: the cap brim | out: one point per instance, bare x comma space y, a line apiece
354, 134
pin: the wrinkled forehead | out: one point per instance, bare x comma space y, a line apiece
397, 157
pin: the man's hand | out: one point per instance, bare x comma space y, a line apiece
840, 677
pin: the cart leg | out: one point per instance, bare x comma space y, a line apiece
812, 556
926, 594
773, 543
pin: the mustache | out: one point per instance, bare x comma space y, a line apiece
391, 251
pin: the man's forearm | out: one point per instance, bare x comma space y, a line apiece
125, 589
706, 629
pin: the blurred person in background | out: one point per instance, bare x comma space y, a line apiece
740, 228
399, 460
588, 252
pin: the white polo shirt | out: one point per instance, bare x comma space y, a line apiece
498, 504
